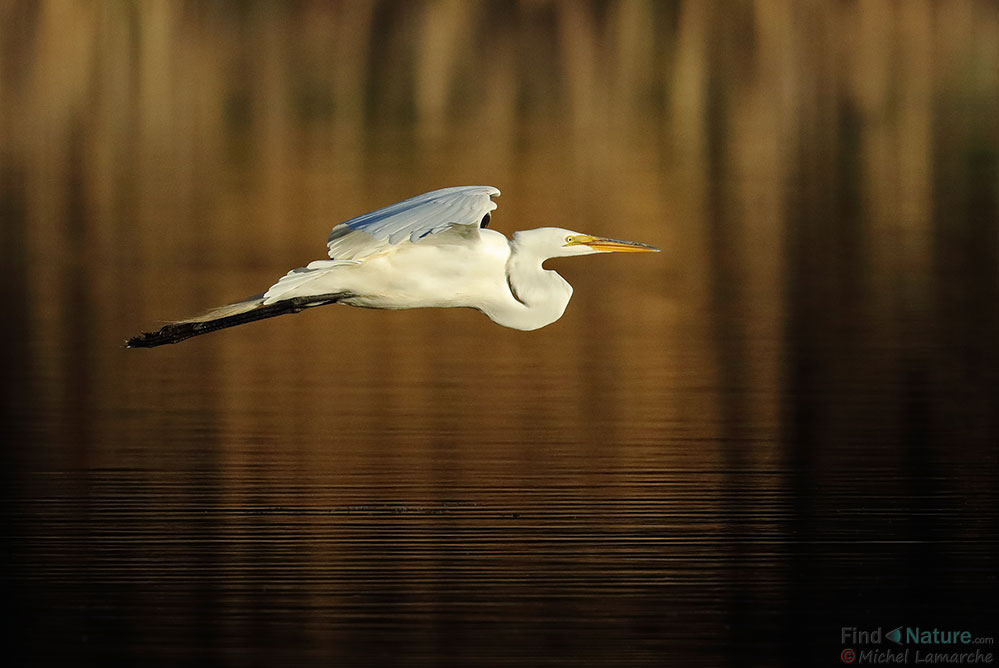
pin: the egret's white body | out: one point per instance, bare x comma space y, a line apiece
428, 251
477, 274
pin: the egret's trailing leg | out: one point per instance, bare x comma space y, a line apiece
228, 316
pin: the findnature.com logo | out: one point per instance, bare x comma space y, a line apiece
915, 646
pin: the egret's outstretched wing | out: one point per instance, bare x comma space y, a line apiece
412, 220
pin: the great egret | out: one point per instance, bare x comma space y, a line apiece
430, 250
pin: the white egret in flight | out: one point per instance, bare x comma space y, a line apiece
432, 250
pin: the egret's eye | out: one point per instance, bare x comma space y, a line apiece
569, 240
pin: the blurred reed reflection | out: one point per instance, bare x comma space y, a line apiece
811, 361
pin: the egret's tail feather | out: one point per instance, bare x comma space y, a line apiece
231, 315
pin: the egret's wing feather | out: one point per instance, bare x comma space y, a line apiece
296, 282
411, 220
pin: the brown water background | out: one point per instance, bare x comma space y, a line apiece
782, 425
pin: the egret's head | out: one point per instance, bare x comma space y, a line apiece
558, 242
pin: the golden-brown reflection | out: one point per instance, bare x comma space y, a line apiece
822, 178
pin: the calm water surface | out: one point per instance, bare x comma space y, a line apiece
433, 488
782, 425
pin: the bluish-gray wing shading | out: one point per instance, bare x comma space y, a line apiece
411, 220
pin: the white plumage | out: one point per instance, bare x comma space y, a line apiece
432, 250
411, 220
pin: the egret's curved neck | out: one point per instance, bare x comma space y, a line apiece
542, 294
